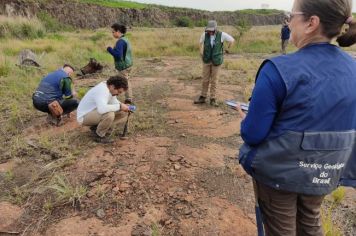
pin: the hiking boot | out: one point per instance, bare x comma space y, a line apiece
104, 140
128, 101
201, 100
213, 102
93, 129
56, 121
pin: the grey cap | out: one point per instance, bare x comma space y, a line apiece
212, 25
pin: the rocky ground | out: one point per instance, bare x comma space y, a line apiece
175, 175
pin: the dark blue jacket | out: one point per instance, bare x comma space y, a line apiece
285, 32
51, 87
310, 147
119, 51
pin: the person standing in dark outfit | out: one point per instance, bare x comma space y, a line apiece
285, 35
56, 86
299, 133
122, 57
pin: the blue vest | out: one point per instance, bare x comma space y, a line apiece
311, 145
49, 87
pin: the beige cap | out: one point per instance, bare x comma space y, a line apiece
212, 25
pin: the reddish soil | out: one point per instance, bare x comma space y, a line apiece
9, 214
182, 180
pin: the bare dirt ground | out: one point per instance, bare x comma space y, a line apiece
175, 175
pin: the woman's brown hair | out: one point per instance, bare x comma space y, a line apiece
333, 15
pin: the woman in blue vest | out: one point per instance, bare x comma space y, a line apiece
299, 133
56, 86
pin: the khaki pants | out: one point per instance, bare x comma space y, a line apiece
104, 122
289, 214
126, 74
284, 45
210, 76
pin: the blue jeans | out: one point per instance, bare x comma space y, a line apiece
68, 105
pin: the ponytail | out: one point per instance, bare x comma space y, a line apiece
349, 37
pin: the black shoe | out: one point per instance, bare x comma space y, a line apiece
104, 140
93, 129
201, 100
213, 102
128, 101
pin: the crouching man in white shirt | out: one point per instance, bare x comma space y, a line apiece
98, 107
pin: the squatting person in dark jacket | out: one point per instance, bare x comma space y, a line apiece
212, 53
122, 57
56, 86
285, 35
299, 132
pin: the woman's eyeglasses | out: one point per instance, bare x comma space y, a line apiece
293, 14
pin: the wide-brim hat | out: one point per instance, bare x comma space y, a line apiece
212, 25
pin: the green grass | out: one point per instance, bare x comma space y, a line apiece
338, 195
260, 11
66, 192
17, 85
330, 228
116, 4
155, 230
98, 36
4, 68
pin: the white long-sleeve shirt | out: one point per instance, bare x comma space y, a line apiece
98, 98
224, 37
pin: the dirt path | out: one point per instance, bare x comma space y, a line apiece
175, 175
163, 182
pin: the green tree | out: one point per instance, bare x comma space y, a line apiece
242, 27
184, 21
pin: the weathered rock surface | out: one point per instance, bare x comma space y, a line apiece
85, 15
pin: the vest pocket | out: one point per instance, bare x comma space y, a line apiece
245, 157
303, 162
327, 141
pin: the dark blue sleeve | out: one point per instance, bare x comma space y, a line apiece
118, 50
267, 97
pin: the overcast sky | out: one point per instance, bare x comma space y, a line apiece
230, 5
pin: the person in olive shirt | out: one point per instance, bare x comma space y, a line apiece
122, 57
212, 53
57, 85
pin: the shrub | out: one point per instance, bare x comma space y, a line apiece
4, 69
21, 27
51, 24
184, 21
242, 27
201, 23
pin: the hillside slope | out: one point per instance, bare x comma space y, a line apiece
88, 15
